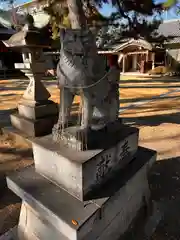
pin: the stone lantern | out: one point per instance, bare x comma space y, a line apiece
36, 113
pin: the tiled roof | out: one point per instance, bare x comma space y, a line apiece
171, 29
132, 42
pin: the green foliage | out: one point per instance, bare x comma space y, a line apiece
130, 11
169, 3
147, 30
135, 21
131, 16
172, 4
59, 13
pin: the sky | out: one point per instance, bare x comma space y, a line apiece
106, 10
171, 14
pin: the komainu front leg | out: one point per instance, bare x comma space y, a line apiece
66, 100
87, 110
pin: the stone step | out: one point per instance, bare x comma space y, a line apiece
33, 128
107, 215
80, 171
39, 111
33, 226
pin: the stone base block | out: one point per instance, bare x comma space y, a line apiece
82, 139
80, 171
33, 226
50, 211
33, 128
38, 111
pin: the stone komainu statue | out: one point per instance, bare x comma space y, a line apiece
81, 71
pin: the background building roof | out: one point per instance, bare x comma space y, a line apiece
171, 29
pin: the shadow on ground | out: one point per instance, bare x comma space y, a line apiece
153, 120
23, 83
5, 117
150, 83
165, 188
151, 80
10, 206
165, 192
149, 86
155, 98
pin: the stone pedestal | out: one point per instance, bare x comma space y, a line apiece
83, 195
50, 212
36, 114
79, 171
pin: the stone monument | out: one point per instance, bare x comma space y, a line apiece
89, 181
36, 113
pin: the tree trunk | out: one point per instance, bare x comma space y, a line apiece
76, 14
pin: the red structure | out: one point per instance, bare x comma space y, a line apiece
112, 60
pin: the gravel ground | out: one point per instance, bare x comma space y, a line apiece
14, 155
131, 91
